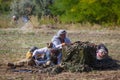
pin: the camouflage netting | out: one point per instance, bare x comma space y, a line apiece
79, 57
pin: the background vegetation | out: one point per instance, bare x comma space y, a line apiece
5, 6
93, 11
103, 12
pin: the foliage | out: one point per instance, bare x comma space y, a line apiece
5, 22
21, 7
94, 11
30, 7
105, 12
5, 6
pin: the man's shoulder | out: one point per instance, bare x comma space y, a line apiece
55, 38
67, 39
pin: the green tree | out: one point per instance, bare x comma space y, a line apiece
30, 7
5, 6
93, 11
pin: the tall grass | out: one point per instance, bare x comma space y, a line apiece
18, 42
4, 22
49, 22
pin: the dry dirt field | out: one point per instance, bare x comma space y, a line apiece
14, 43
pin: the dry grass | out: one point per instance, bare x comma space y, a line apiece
4, 22
14, 43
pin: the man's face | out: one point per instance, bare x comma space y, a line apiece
53, 51
101, 54
63, 36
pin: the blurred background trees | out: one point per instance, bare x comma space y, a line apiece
30, 7
5, 6
93, 11
67, 11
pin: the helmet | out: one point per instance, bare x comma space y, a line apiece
33, 49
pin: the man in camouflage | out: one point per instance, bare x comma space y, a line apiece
85, 56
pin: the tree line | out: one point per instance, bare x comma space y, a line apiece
68, 11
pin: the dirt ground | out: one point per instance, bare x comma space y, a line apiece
15, 43
9, 74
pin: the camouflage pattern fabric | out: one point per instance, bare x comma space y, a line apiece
79, 56
107, 63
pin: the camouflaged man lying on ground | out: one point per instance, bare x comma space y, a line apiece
85, 56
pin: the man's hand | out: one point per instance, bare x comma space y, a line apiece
64, 44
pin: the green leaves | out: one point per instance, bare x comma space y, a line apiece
5, 6
30, 7
69, 11
93, 11
21, 7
